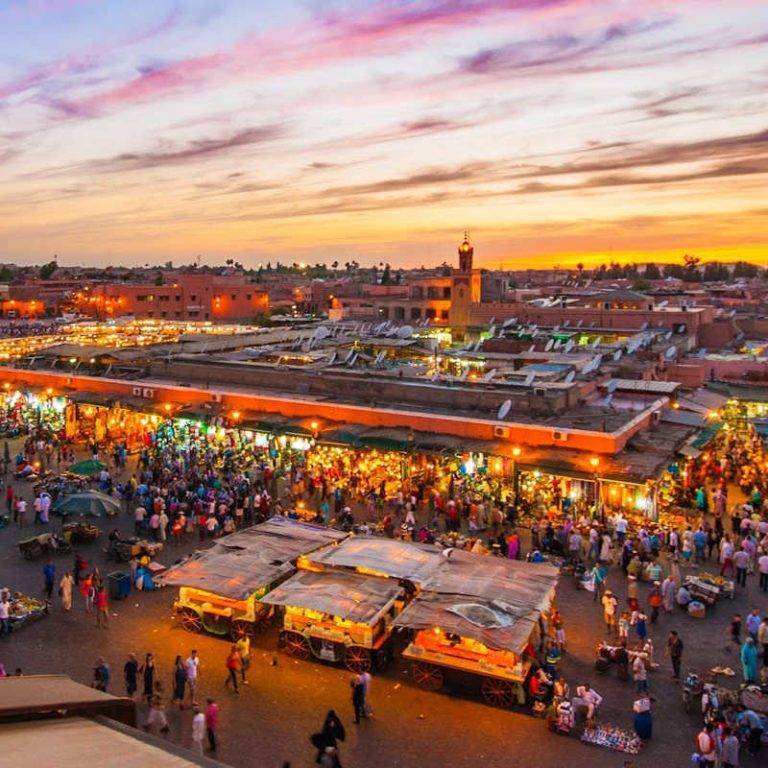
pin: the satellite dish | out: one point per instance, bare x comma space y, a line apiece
617, 355
549, 345
463, 375
321, 332
533, 346
566, 323
426, 322
477, 345
332, 359
569, 346
578, 325
504, 409
508, 322
492, 321
668, 336
670, 353
405, 332
492, 331
643, 326
489, 376
606, 401
611, 388
570, 377
529, 379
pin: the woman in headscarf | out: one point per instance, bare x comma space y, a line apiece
748, 658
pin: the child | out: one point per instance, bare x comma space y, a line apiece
641, 626
624, 626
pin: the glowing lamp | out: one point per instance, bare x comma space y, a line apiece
595, 462
516, 451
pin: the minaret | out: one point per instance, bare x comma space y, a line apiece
465, 286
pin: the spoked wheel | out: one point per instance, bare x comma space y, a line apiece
498, 693
239, 628
296, 645
190, 620
427, 675
357, 659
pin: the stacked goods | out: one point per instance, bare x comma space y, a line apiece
612, 737
23, 608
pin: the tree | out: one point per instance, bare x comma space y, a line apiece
47, 270
641, 284
5, 275
386, 277
744, 269
159, 279
652, 272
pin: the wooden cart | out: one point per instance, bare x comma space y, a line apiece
198, 611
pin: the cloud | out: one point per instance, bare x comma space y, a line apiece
426, 178
199, 149
78, 64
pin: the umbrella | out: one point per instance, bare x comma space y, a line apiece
87, 467
89, 503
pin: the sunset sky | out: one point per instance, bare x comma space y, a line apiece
556, 131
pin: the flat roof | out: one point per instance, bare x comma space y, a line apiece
46, 692
73, 741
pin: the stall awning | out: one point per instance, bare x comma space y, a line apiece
689, 451
683, 417
706, 436
92, 398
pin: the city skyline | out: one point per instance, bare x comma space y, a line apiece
557, 131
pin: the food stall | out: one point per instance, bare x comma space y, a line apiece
473, 620
23, 608
220, 588
338, 617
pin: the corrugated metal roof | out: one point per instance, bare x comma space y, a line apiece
651, 387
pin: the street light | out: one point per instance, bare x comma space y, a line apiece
595, 462
516, 453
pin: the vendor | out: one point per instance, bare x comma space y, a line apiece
643, 721
589, 698
683, 596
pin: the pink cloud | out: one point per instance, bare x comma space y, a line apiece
382, 29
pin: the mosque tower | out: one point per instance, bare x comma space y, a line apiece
465, 286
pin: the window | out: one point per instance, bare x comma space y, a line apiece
431, 313
444, 314
247, 296
233, 297
447, 292
177, 297
384, 312
415, 313
141, 298
399, 313
193, 297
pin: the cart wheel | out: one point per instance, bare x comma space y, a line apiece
296, 645
357, 659
190, 620
498, 693
427, 675
240, 627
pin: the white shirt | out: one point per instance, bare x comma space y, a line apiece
590, 696
3, 609
762, 564
190, 667
198, 727
621, 525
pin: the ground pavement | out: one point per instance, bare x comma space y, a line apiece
286, 701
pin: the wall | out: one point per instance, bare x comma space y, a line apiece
481, 314
472, 428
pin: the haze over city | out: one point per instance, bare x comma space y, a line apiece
558, 131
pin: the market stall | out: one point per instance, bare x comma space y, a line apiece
23, 609
338, 617
475, 616
220, 588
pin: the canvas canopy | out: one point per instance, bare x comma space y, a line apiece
389, 557
527, 586
496, 624
240, 564
349, 596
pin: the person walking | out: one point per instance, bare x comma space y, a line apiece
741, 563
610, 604
211, 722
66, 585
101, 675
179, 682
244, 650
233, 666
365, 679
762, 639
49, 576
748, 658
198, 730
640, 675
192, 668
762, 567
358, 697
729, 751
130, 674
157, 716
675, 652
331, 734
102, 607
706, 746
5, 614
147, 670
